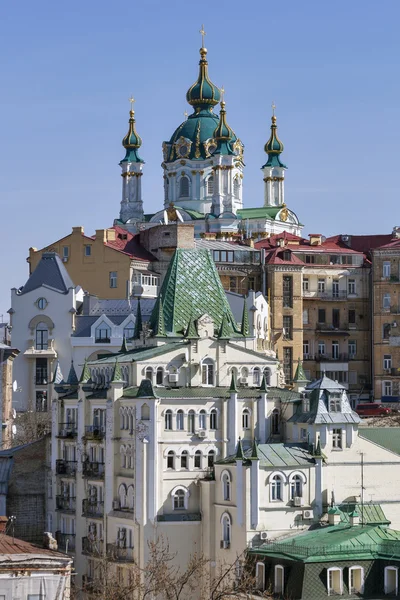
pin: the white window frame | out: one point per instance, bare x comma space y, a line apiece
386, 269
321, 285
202, 419
180, 488
306, 284
257, 376
331, 590
351, 287
168, 420
226, 481
113, 279
260, 576
354, 568
279, 589
208, 372
226, 528
386, 301
198, 454
272, 487
246, 419
214, 419
387, 388
337, 439
180, 420
387, 361
387, 569
293, 488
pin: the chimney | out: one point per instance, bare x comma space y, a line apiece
110, 235
334, 516
78, 230
101, 234
315, 239
396, 232
354, 518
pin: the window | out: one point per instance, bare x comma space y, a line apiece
337, 438
321, 348
171, 460
387, 361
179, 500
336, 318
352, 346
213, 419
226, 529
41, 303
306, 404
352, 316
386, 331
184, 187
149, 374
356, 580
121, 495
275, 422
202, 419
267, 375
305, 316
387, 389
160, 376
321, 286
41, 371
65, 252
42, 336
179, 420
306, 350
210, 186
256, 376
279, 579
386, 269
287, 363
246, 419
276, 487
351, 286
41, 401
260, 576
113, 279
306, 284
287, 327
335, 581
386, 301
391, 580
310, 258
168, 420
226, 486
184, 459
211, 458
88, 250
303, 433
321, 315
197, 459
129, 331
335, 350
287, 291
191, 421
335, 288
335, 405
207, 372
103, 333
296, 487
236, 188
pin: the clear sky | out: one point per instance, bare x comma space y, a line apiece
68, 69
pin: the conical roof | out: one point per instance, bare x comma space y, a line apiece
132, 141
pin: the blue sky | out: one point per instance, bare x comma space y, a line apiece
68, 70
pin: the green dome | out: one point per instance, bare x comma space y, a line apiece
223, 134
198, 128
203, 93
132, 141
274, 147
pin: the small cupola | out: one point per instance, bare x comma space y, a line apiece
334, 516
354, 518
223, 134
274, 147
203, 94
132, 141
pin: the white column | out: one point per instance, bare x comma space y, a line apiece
254, 493
318, 487
262, 418
239, 490
232, 423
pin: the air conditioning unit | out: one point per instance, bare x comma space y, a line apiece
65, 258
307, 514
243, 380
225, 544
263, 535
173, 377
115, 504
297, 501
345, 238
202, 433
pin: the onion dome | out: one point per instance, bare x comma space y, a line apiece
274, 147
223, 134
203, 94
132, 141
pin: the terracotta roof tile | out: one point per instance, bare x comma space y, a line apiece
10, 545
128, 243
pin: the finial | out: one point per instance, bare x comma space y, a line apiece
273, 106
222, 90
132, 101
203, 33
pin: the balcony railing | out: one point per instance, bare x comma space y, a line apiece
65, 504
67, 430
66, 467
94, 470
331, 328
95, 432
92, 547
102, 340
119, 553
341, 357
65, 541
92, 508
339, 295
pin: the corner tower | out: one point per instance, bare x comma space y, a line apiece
274, 169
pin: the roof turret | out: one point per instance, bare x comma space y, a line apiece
274, 147
132, 141
138, 322
203, 94
223, 134
239, 450
245, 329
85, 375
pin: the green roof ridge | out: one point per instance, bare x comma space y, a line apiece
233, 387
85, 375
254, 452
264, 385
72, 377
138, 322
124, 345
239, 451
225, 331
318, 451
245, 328
191, 331
300, 376
117, 375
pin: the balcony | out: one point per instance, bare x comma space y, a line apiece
65, 541
92, 547
65, 504
93, 470
333, 296
95, 432
331, 329
102, 340
92, 508
145, 285
66, 467
341, 357
119, 553
67, 430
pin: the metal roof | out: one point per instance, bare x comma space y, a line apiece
49, 272
387, 437
222, 245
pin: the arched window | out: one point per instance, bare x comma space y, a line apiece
160, 376
226, 486
213, 419
211, 458
130, 422
130, 498
202, 419
279, 580
122, 496
145, 412
197, 459
236, 187
275, 421
246, 418
184, 187
103, 333
226, 530
260, 576
179, 420
42, 336
122, 452
149, 374
207, 372
210, 185
121, 418
184, 459
256, 376
179, 500
171, 460
191, 421
276, 487
296, 487
245, 372
267, 375
168, 419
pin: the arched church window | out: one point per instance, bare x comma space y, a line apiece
210, 185
184, 187
236, 187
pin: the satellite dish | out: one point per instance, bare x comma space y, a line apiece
15, 385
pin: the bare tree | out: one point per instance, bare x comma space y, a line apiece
30, 426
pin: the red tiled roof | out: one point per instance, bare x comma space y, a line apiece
331, 244
128, 243
10, 545
365, 243
275, 257
394, 243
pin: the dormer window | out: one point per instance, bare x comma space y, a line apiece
103, 333
306, 404
335, 404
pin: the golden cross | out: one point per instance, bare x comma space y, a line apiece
222, 90
132, 101
273, 108
203, 33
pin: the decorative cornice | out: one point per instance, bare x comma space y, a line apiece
131, 174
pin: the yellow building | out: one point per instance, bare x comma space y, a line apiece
109, 264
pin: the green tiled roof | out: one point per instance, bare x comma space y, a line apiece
196, 216
300, 376
192, 288
265, 212
278, 455
140, 354
387, 437
85, 375
210, 392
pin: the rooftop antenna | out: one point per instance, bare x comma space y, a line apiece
362, 489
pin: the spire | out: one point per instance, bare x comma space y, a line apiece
203, 94
225, 331
132, 141
72, 377
245, 329
124, 346
239, 451
191, 331
117, 375
254, 453
318, 449
85, 375
274, 146
138, 322
223, 134
300, 376
159, 325
58, 376
233, 387
264, 385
